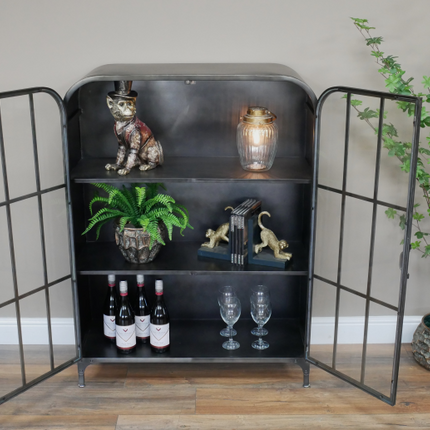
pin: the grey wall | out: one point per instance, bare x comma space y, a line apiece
55, 42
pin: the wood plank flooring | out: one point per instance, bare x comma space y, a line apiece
212, 396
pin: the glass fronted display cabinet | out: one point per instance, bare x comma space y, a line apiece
326, 171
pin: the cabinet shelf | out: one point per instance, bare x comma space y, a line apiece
177, 258
195, 169
199, 340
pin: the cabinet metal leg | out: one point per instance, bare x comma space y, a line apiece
82, 365
306, 369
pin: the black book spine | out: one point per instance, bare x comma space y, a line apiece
241, 252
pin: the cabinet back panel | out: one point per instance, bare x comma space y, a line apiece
206, 202
195, 120
195, 297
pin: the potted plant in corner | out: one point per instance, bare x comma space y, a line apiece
142, 217
396, 83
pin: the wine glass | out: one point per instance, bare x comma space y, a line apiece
261, 291
261, 313
230, 312
260, 294
225, 293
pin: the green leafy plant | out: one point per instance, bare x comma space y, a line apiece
396, 82
140, 206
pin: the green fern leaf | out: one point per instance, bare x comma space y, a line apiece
122, 222
101, 224
143, 221
152, 229
97, 199
116, 199
129, 195
161, 199
140, 196
103, 217
182, 207
114, 212
185, 218
152, 189
169, 227
140, 206
158, 213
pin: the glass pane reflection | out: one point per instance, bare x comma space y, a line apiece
35, 337
62, 322
380, 348
10, 362
351, 334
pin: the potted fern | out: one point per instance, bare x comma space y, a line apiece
142, 217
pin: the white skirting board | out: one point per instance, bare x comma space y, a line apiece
35, 331
381, 330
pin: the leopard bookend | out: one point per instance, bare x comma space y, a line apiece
220, 234
268, 238
218, 246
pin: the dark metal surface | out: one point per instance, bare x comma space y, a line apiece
192, 73
197, 169
193, 120
363, 198
179, 258
42, 229
199, 340
367, 297
206, 201
194, 111
38, 194
12, 254
372, 237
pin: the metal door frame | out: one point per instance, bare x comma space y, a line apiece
407, 236
38, 193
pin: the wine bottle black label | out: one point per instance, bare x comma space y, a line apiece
109, 326
142, 326
126, 336
160, 335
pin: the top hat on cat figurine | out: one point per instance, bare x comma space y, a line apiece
123, 90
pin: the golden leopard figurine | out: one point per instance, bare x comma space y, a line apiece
221, 233
269, 239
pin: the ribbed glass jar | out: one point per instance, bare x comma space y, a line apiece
257, 137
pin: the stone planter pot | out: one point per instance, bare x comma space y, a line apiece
134, 243
421, 342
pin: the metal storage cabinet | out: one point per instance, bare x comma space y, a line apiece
194, 109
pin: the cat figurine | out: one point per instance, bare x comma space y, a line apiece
136, 143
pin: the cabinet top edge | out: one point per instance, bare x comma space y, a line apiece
194, 71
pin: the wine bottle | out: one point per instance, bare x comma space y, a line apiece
143, 312
125, 324
160, 321
110, 308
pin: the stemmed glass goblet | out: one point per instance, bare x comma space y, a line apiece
261, 313
230, 310
260, 295
225, 294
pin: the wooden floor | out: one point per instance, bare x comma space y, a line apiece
214, 396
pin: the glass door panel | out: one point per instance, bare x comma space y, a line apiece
38, 317
356, 239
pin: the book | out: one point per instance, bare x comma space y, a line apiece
234, 227
238, 230
254, 209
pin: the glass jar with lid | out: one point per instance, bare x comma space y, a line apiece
257, 137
